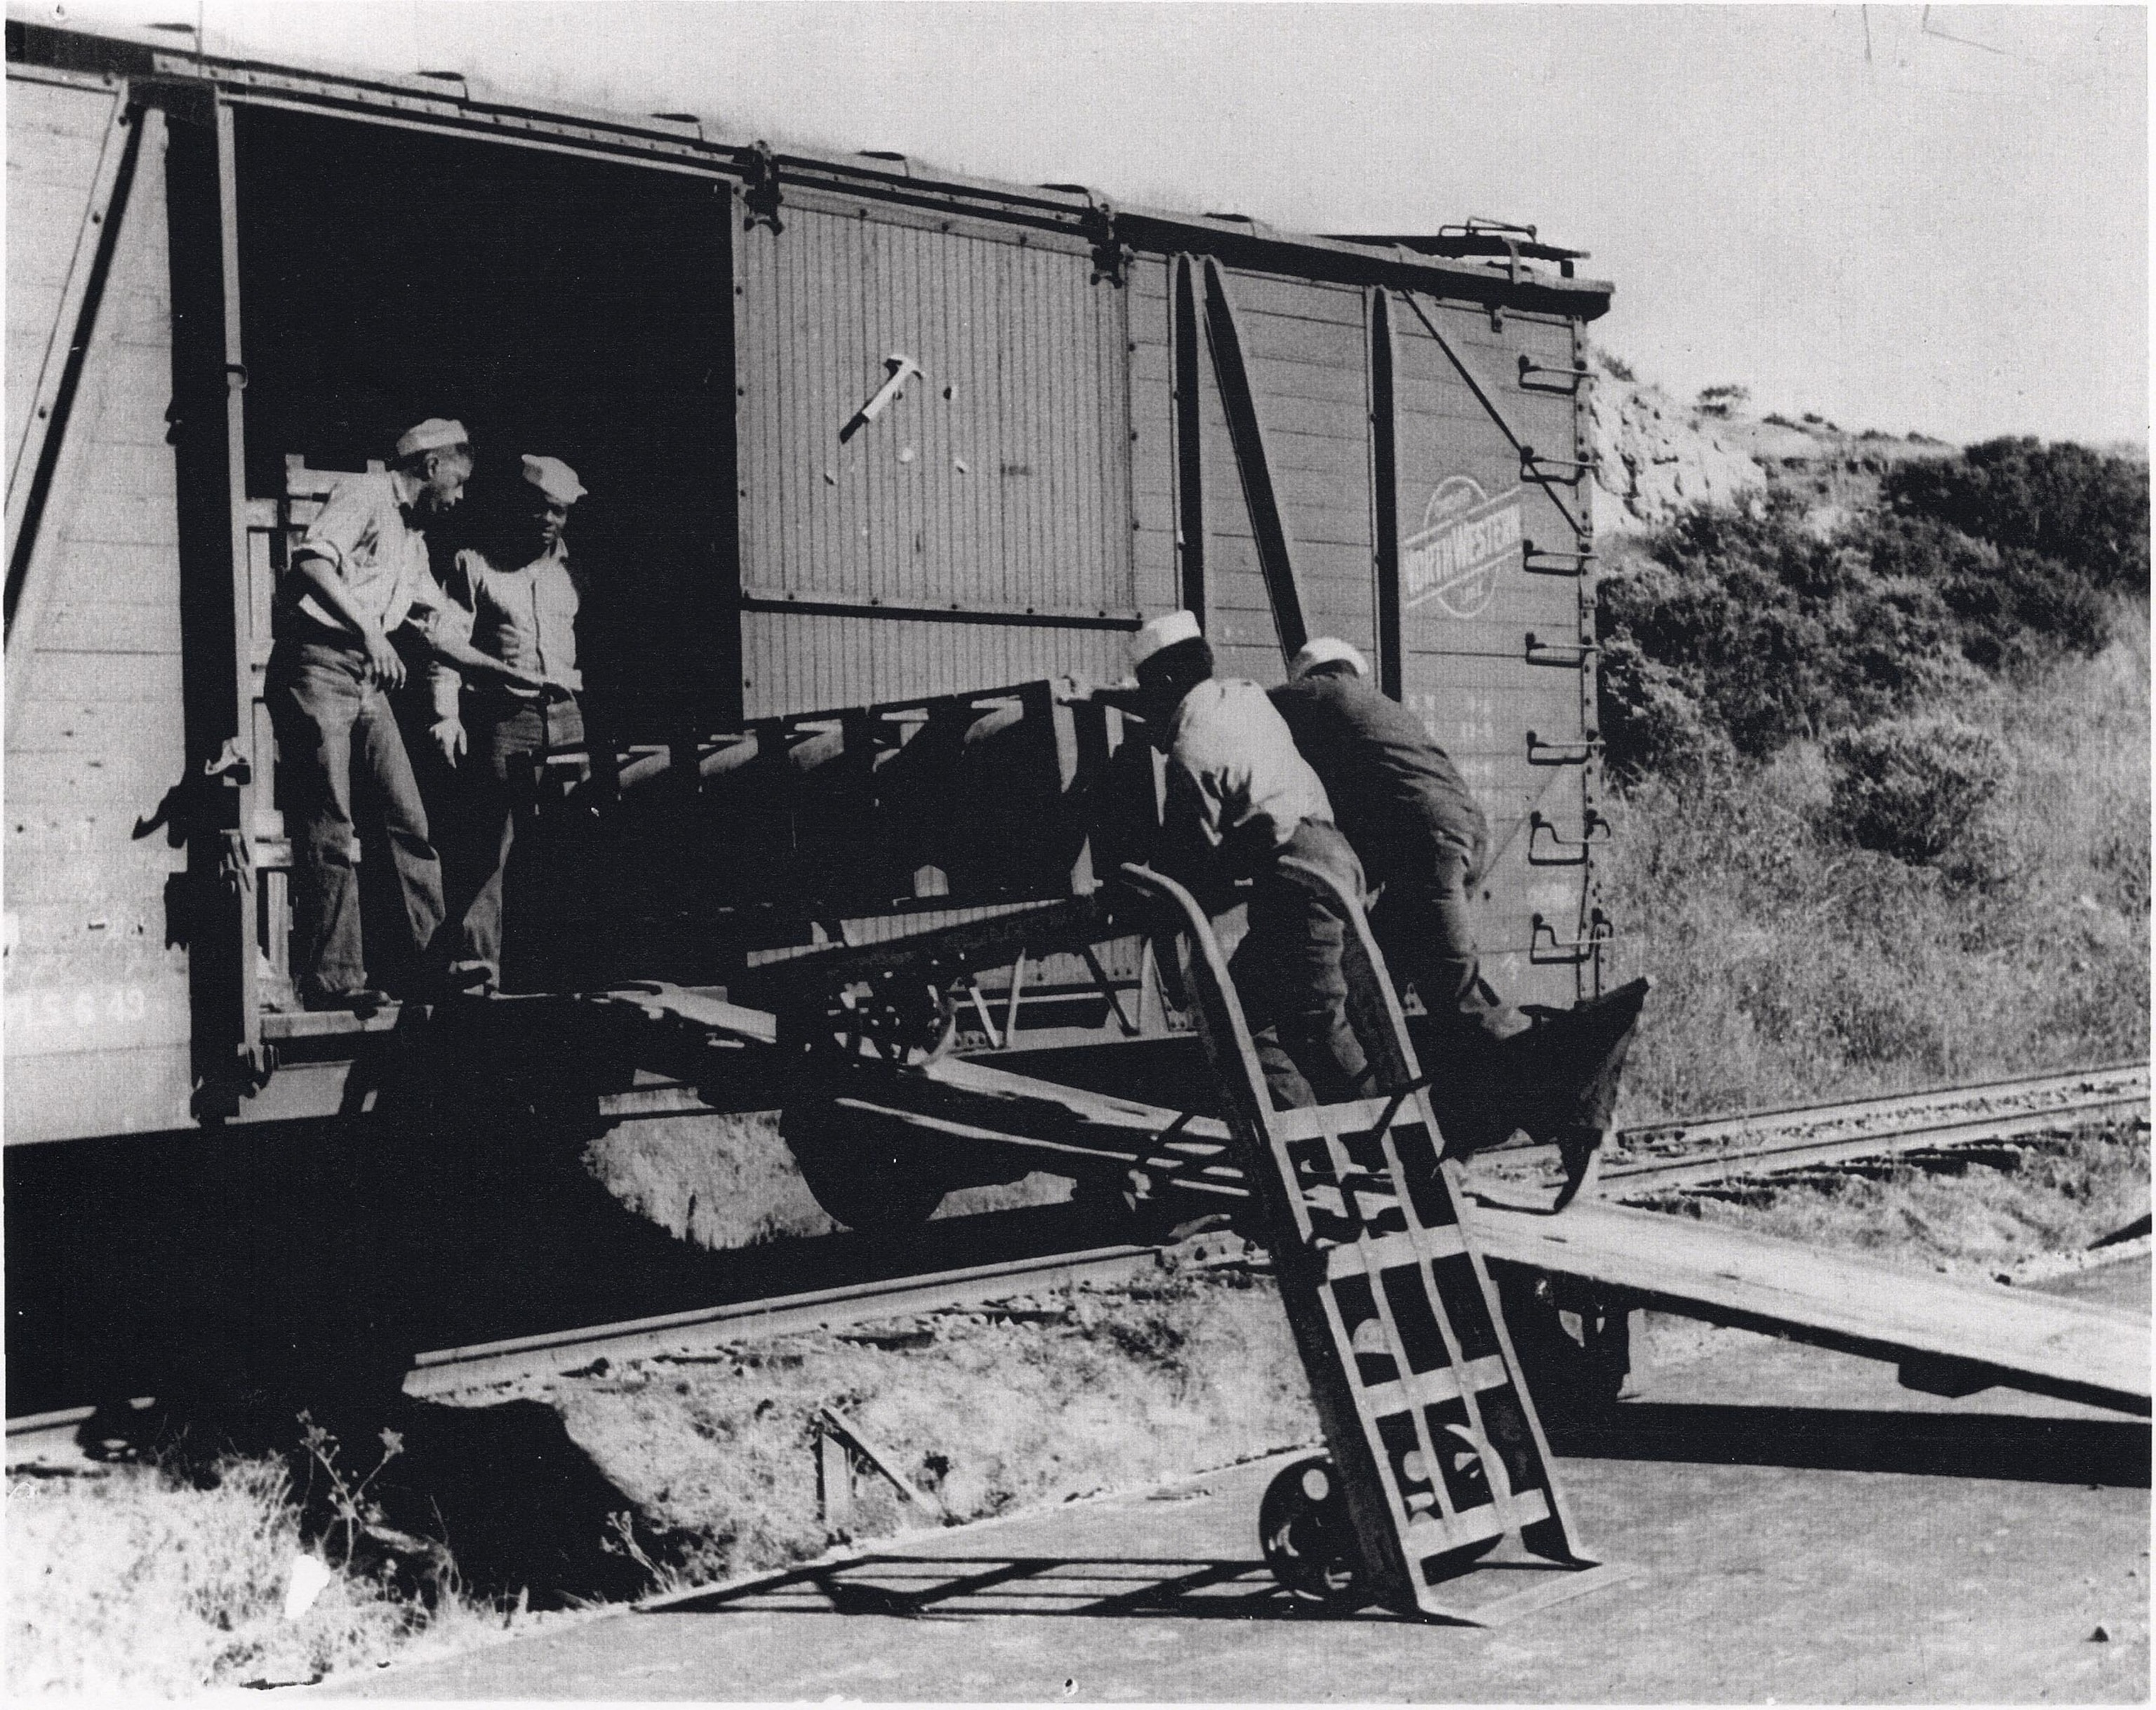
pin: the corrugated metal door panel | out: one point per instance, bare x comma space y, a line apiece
804, 662
56, 136
98, 1011
1468, 605
997, 482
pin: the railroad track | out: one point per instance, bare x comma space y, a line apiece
1674, 1157
1644, 1162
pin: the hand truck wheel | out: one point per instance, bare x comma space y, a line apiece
1309, 1540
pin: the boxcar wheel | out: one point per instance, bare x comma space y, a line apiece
861, 1180
1308, 1538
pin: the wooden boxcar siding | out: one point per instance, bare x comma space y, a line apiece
996, 487
1305, 346
1466, 669
97, 1010
800, 661
57, 135
1464, 664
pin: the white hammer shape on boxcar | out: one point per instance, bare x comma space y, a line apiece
901, 367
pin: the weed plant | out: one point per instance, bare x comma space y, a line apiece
132, 1582
1883, 815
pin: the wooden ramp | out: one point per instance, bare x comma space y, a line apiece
1947, 1336
1950, 1337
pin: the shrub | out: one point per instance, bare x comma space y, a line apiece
1770, 631
1613, 364
1912, 788
2087, 511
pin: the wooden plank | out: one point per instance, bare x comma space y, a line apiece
122, 517
2053, 1345
701, 1009
112, 627
38, 108
91, 869
1264, 297
136, 779
75, 725
135, 678
97, 1093
98, 571
2036, 1341
96, 1015
119, 926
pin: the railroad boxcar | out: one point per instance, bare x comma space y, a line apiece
226, 281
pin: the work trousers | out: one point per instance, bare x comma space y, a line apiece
503, 733
1291, 973
340, 760
1421, 922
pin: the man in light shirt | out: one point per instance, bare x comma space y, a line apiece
513, 599
359, 575
1242, 802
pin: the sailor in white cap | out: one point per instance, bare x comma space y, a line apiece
1240, 798
1423, 842
1413, 821
513, 597
358, 576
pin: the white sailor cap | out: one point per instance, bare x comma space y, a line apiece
553, 478
1162, 633
1325, 650
435, 434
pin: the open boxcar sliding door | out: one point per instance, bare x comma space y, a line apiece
934, 421
1494, 613
209, 382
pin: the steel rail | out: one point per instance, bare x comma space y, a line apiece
2112, 1090
1627, 1181
1844, 1131
2131, 1077
449, 1370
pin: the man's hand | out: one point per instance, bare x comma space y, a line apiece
384, 660
449, 734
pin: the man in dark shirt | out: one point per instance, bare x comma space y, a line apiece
1411, 818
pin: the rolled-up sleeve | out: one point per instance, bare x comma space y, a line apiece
344, 520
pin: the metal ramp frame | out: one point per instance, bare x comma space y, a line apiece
1437, 1449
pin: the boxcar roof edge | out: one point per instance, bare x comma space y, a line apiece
1235, 241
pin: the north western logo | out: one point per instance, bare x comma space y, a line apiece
1465, 538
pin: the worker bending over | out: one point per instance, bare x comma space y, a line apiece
1552, 1075
1243, 804
357, 577
513, 596
1414, 823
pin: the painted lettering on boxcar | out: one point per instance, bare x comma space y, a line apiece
1465, 538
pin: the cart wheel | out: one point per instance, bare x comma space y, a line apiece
861, 1180
1308, 1538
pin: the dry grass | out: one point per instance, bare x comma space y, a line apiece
127, 1585
1790, 966
1085, 1392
